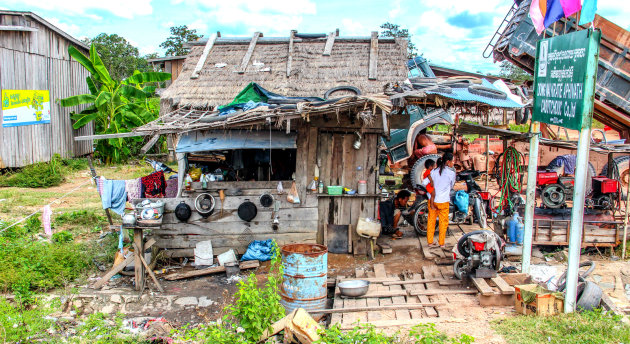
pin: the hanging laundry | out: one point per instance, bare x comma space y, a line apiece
99, 185
570, 7
588, 11
114, 195
153, 185
133, 188
46, 215
171, 188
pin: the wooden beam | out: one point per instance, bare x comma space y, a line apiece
146, 266
118, 268
483, 286
378, 294
329, 44
395, 306
204, 56
503, 286
413, 281
249, 264
111, 136
137, 265
443, 291
373, 64
149, 144
17, 28
290, 57
250, 52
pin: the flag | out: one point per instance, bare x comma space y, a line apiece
554, 12
46, 213
537, 16
588, 11
570, 7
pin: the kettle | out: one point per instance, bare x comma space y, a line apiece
129, 220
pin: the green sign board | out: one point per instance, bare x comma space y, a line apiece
564, 82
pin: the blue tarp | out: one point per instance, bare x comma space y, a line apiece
464, 95
198, 141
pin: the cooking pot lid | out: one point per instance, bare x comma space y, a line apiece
247, 211
183, 212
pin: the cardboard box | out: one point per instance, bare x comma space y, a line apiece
544, 302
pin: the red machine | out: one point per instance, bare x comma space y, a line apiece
555, 191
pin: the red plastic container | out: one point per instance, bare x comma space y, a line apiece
485, 195
606, 185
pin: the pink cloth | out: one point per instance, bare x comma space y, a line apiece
99, 185
537, 16
430, 149
132, 186
46, 214
171, 188
570, 7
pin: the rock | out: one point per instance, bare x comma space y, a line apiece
186, 301
108, 309
205, 302
116, 299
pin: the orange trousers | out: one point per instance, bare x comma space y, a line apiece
442, 213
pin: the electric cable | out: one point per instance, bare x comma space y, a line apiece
508, 178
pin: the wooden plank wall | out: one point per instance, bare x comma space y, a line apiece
298, 223
40, 61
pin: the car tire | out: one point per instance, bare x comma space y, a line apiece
589, 296
487, 92
621, 171
418, 168
353, 89
458, 269
420, 219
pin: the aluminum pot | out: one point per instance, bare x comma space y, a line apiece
354, 288
129, 220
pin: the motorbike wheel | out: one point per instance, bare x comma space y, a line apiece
459, 269
421, 217
480, 213
418, 168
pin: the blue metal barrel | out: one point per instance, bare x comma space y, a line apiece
305, 276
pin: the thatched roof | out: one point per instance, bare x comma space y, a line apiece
311, 73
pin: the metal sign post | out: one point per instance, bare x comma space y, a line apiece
566, 69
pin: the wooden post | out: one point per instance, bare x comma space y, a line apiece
170, 144
93, 171
138, 267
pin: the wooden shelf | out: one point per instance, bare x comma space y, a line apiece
351, 196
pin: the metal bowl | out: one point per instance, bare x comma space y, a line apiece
354, 288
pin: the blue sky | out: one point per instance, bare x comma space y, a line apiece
448, 32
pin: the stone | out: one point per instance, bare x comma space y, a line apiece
186, 301
108, 309
116, 298
205, 302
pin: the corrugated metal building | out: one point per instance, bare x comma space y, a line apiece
34, 56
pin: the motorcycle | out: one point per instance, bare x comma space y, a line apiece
477, 205
478, 254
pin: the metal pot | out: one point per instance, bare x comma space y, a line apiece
129, 220
247, 211
204, 204
354, 288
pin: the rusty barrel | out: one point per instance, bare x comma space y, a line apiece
305, 276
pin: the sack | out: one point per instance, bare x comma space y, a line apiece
292, 196
259, 250
461, 201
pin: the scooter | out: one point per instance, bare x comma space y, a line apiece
478, 201
478, 254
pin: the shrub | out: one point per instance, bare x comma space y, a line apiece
62, 237
43, 174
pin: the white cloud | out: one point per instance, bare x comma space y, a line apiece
120, 8
395, 11
271, 17
350, 27
71, 29
200, 25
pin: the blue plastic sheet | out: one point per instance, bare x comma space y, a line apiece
461, 201
259, 250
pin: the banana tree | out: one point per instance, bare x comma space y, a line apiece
114, 106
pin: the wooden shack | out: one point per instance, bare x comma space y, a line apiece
300, 135
168, 64
34, 57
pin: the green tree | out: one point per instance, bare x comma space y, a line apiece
513, 72
115, 106
393, 30
174, 45
119, 57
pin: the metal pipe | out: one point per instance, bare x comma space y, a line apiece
625, 223
530, 197
577, 216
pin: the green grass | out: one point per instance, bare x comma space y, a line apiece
43, 174
576, 328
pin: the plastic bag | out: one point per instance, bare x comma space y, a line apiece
195, 173
293, 196
280, 188
258, 250
461, 201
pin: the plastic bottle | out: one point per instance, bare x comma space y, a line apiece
204, 181
511, 225
320, 187
520, 231
188, 182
